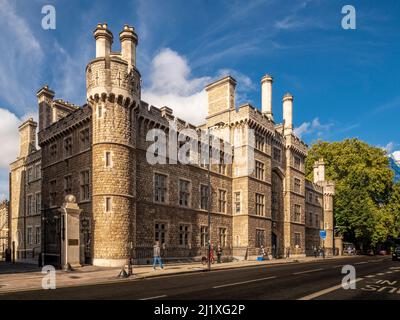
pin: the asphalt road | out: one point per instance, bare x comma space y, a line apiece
376, 278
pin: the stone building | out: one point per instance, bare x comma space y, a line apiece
97, 152
4, 227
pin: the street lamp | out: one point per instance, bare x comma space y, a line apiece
209, 191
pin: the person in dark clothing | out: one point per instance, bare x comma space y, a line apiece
219, 253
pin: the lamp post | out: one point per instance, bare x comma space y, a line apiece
209, 191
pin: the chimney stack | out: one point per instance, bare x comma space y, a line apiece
288, 113
266, 96
129, 41
27, 137
104, 39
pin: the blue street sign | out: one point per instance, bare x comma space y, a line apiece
322, 234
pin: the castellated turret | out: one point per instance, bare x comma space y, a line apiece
113, 92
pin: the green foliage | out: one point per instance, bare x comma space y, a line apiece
367, 205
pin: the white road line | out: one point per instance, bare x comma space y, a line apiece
325, 291
370, 276
380, 274
308, 271
364, 262
339, 266
244, 282
152, 298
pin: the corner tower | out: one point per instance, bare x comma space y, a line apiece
113, 92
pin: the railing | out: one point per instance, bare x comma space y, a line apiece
144, 254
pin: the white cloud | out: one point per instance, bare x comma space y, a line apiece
172, 85
20, 59
396, 156
9, 139
315, 128
389, 148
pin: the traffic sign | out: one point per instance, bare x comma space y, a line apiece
322, 234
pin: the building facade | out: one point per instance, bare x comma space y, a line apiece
4, 228
98, 153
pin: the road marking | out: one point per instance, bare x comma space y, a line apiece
152, 298
363, 262
388, 272
380, 274
308, 271
328, 290
244, 282
338, 266
370, 276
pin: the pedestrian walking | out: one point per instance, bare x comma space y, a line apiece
262, 252
157, 256
219, 253
287, 253
315, 252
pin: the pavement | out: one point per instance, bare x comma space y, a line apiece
307, 278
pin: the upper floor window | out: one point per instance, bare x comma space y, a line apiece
204, 197
108, 160
108, 204
53, 151
316, 220
38, 171
260, 174
297, 185
160, 187
68, 147
84, 139
297, 163
30, 205
297, 213
53, 193
310, 197
277, 154
222, 201
30, 174
85, 185
184, 193
222, 165
237, 202
38, 202
67, 185
260, 204
203, 236
30, 235
260, 141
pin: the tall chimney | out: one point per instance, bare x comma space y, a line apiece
288, 113
129, 41
104, 39
266, 96
27, 137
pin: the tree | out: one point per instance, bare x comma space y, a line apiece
365, 200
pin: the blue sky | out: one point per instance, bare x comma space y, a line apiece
346, 83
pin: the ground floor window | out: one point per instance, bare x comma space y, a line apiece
222, 237
184, 235
30, 235
260, 238
37, 235
297, 239
160, 232
204, 236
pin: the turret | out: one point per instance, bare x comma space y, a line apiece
266, 96
113, 92
288, 113
319, 171
221, 95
